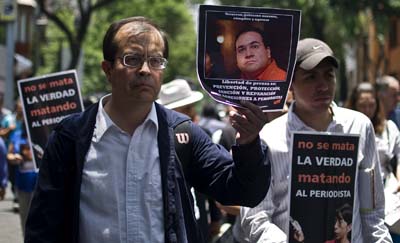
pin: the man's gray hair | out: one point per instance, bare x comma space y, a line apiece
383, 82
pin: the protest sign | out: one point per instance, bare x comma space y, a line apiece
46, 101
323, 175
246, 53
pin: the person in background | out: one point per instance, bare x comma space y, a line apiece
211, 121
111, 173
388, 89
3, 169
313, 110
178, 96
254, 58
364, 98
10, 125
3, 111
12, 122
19, 154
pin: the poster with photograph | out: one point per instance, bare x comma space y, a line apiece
323, 175
46, 100
246, 53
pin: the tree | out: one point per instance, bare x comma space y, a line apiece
374, 21
171, 15
75, 28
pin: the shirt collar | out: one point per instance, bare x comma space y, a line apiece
296, 124
104, 122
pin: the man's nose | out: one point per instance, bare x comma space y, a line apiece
323, 84
249, 53
144, 69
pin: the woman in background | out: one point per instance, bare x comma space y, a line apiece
364, 99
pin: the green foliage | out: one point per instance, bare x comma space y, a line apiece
51, 48
334, 21
94, 79
56, 41
171, 15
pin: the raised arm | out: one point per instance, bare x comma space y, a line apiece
248, 122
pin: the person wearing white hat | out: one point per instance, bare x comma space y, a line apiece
177, 95
313, 110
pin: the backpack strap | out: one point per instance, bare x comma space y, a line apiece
183, 143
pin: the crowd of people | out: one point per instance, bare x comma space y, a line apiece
144, 164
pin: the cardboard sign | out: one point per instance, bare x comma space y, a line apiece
323, 177
247, 54
46, 101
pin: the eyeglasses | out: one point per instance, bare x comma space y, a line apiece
130, 60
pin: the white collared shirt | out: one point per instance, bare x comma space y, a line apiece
388, 145
121, 192
268, 221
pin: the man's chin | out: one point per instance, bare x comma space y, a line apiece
323, 102
252, 72
146, 95
321, 107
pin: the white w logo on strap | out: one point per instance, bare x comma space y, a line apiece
182, 138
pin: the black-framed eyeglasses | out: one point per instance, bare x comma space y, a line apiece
131, 60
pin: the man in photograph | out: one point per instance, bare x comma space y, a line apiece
253, 57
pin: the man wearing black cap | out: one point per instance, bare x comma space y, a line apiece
313, 110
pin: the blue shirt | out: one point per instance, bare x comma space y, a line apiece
121, 184
3, 164
395, 117
26, 175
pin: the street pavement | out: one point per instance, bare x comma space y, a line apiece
10, 226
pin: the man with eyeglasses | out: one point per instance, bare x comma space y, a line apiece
253, 57
111, 174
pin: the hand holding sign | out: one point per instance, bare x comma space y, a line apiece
248, 122
247, 54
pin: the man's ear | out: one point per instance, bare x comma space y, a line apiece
348, 227
107, 67
268, 52
291, 90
